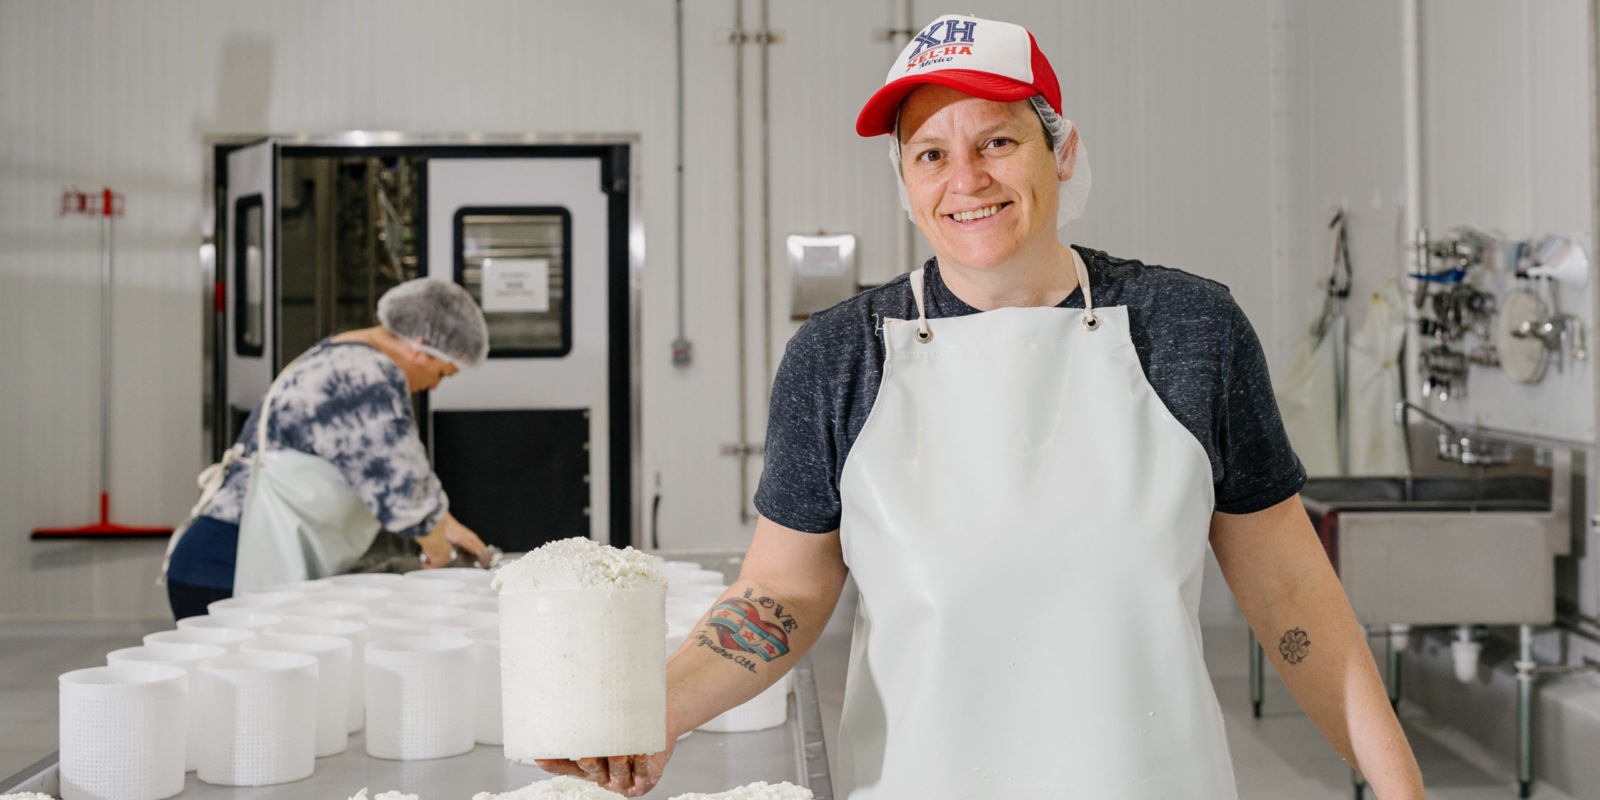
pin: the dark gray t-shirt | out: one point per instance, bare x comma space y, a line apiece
1198, 352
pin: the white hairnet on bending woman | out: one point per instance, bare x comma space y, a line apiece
439, 317
1074, 191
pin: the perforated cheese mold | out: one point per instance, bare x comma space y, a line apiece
261, 722
419, 697
583, 672
117, 739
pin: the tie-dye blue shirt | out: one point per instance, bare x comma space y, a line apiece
347, 402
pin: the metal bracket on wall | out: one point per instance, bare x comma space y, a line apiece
744, 451
749, 37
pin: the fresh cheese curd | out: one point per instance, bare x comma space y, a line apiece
579, 563
558, 788
755, 791
362, 795
582, 652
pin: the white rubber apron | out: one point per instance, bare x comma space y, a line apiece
301, 519
1027, 524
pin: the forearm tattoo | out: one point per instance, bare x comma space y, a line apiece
1294, 646
740, 628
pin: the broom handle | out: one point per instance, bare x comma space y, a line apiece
105, 350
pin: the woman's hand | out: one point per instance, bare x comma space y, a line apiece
440, 545
436, 549
630, 776
461, 536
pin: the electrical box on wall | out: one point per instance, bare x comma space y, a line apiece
822, 271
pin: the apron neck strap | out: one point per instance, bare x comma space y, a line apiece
1091, 320
266, 405
919, 292
1083, 280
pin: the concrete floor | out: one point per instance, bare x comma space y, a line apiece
32, 654
1279, 756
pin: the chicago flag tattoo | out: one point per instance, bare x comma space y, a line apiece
739, 627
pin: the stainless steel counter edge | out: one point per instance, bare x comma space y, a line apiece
813, 757
41, 776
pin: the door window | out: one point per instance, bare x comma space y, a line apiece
516, 262
249, 276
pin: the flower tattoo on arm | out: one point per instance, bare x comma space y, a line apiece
1294, 646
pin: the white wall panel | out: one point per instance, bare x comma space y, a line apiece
1175, 102
1508, 147
1347, 150
117, 94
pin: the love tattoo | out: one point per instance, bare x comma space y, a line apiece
1294, 646
739, 625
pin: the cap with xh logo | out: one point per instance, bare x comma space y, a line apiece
981, 57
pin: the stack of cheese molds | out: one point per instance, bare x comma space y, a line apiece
582, 652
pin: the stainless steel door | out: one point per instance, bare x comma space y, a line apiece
250, 277
529, 237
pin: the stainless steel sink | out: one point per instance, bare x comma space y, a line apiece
1420, 493
1429, 550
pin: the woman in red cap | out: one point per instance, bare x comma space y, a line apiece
1020, 452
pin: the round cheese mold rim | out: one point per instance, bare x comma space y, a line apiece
446, 575
225, 638
367, 580
224, 618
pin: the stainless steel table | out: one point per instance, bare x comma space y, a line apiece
702, 762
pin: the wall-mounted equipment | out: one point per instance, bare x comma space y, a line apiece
1452, 306
1531, 328
822, 271
1523, 331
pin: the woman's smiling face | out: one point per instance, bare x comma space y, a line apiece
981, 176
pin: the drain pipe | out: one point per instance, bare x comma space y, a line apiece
681, 349
741, 446
765, 39
1412, 89
1526, 667
1465, 654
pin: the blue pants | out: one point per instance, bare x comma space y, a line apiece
188, 600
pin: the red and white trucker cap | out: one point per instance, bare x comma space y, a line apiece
982, 57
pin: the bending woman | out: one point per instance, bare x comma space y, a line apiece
339, 429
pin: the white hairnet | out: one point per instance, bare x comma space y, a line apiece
1074, 191
439, 317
